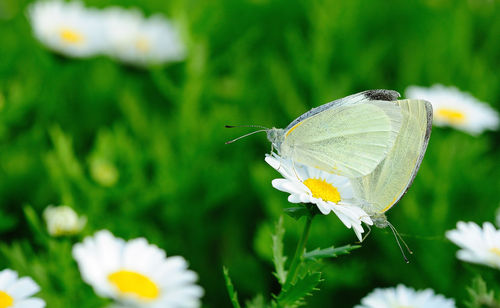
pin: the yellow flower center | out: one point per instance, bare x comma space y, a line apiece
323, 190
142, 44
134, 283
5, 300
451, 115
495, 250
71, 36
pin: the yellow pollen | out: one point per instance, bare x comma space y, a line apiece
5, 300
450, 115
323, 190
142, 45
134, 283
495, 250
71, 36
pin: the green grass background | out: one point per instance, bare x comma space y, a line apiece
250, 62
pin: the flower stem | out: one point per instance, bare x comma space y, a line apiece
301, 245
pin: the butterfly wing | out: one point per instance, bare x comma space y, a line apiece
368, 95
349, 138
390, 180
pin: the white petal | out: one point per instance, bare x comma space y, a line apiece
7, 277
30, 303
22, 288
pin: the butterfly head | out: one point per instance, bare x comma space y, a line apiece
276, 137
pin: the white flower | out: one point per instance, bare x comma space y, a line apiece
63, 220
402, 296
457, 109
136, 273
134, 39
330, 192
15, 292
67, 27
478, 245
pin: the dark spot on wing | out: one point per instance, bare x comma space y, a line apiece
382, 95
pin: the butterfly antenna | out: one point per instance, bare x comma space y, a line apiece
246, 135
233, 126
397, 237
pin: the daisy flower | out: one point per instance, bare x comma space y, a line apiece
16, 292
479, 245
330, 192
136, 273
457, 109
67, 27
63, 220
402, 296
134, 39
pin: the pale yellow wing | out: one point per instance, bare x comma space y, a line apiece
391, 179
349, 140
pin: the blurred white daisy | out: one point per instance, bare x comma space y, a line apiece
330, 192
404, 297
136, 273
134, 39
63, 220
16, 292
479, 245
457, 109
67, 27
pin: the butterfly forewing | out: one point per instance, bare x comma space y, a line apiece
349, 140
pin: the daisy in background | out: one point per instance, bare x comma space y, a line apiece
136, 273
402, 296
330, 192
16, 292
479, 245
457, 109
67, 27
134, 39
63, 220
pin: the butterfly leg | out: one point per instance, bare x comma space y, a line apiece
366, 235
295, 171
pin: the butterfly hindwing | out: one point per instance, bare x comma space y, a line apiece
383, 188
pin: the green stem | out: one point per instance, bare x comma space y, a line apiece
292, 272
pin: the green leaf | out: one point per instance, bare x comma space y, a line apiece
37, 226
278, 258
295, 294
330, 252
479, 295
257, 302
233, 296
297, 212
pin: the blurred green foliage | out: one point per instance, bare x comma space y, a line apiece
141, 152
